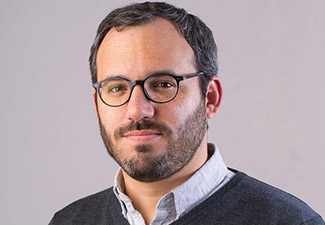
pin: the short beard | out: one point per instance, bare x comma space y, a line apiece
177, 153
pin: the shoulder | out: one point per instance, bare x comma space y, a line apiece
266, 200
90, 209
97, 199
246, 200
258, 190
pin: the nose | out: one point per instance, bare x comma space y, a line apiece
139, 107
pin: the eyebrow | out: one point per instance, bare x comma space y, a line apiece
116, 77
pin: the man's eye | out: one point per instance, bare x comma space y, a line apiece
116, 89
163, 84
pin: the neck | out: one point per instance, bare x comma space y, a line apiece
145, 195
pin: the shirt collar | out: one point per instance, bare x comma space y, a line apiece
202, 184
118, 190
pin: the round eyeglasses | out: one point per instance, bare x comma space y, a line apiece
158, 88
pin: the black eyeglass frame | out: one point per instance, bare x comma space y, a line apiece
133, 83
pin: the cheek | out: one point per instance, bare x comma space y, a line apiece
173, 113
186, 101
110, 117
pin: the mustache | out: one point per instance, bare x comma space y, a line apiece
142, 125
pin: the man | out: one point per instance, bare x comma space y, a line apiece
154, 71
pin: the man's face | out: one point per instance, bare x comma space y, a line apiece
151, 141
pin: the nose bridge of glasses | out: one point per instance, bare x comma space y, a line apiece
141, 84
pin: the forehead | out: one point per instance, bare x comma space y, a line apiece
145, 49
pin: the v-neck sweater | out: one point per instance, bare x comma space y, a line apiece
242, 201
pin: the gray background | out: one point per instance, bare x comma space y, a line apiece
270, 125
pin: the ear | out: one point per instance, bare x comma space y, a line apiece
95, 98
213, 96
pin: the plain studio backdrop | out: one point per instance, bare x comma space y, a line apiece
271, 123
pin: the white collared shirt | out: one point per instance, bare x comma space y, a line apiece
207, 180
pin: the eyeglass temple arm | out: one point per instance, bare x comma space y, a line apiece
193, 75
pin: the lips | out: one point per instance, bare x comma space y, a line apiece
142, 128
142, 135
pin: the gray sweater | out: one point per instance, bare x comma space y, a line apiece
242, 201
